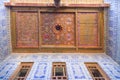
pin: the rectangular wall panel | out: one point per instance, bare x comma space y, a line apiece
26, 30
57, 28
87, 29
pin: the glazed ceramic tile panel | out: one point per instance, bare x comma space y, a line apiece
4, 31
113, 33
27, 30
87, 24
42, 67
118, 33
51, 35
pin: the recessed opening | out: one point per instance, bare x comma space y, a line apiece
22, 71
96, 71
59, 71
59, 77
64, 77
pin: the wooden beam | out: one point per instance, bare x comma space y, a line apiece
11, 4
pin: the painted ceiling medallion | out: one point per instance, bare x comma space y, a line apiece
57, 29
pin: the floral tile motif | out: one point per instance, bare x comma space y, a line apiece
4, 31
8, 66
76, 69
113, 27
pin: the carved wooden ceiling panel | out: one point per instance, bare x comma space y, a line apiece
87, 29
26, 30
58, 28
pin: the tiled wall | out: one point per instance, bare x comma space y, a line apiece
76, 68
113, 33
118, 34
4, 30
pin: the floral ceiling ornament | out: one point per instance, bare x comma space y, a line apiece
57, 3
57, 29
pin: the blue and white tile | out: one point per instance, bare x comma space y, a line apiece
76, 69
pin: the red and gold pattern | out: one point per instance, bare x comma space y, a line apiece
50, 36
87, 29
26, 30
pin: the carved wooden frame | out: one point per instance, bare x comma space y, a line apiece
22, 65
59, 64
95, 65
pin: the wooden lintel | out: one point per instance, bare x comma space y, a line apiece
11, 4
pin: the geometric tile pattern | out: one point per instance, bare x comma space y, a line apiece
4, 30
113, 30
118, 35
76, 69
